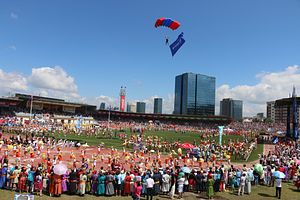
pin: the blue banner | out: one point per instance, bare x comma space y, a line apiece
79, 122
295, 118
175, 46
220, 134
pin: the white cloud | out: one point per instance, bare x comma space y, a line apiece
44, 81
14, 15
53, 78
12, 82
271, 86
54, 81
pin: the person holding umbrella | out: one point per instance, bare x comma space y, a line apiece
58, 171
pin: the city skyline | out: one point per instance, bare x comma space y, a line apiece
251, 47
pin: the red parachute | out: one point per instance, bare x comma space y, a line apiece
167, 22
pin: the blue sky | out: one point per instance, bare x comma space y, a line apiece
105, 44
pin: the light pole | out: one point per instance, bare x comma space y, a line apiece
109, 108
31, 107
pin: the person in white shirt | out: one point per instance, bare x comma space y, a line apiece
150, 183
180, 183
165, 183
278, 187
242, 184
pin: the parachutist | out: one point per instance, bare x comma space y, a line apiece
167, 41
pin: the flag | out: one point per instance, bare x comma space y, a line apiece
275, 141
221, 128
175, 46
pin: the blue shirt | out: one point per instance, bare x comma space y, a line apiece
31, 176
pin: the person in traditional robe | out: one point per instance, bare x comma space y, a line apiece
101, 184
56, 185
94, 182
64, 180
157, 177
38, 183
165, 183
72, 182
51, 184
210, 187
127, 184
109, 184
3, 176
82, 183
22, 180
88, 183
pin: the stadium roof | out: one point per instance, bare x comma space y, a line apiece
150, 116
48, 100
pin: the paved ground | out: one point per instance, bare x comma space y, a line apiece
268, 148
66, 152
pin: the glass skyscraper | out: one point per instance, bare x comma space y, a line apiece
232, 108
140, 107
102, 106
157, 106
195, 94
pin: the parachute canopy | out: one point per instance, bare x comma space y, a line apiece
167, 22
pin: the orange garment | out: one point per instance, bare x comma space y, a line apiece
55, 184
127, 185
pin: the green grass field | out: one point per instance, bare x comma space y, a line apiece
289, 192
169, 136
254, 155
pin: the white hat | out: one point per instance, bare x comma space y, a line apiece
5, 165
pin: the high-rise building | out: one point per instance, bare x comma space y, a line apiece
231, 108
260, 116
157, 105
131, 107
284, 109
271, 110
194, 94
140, 107
102, 106
122, 98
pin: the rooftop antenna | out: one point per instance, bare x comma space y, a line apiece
294, 92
